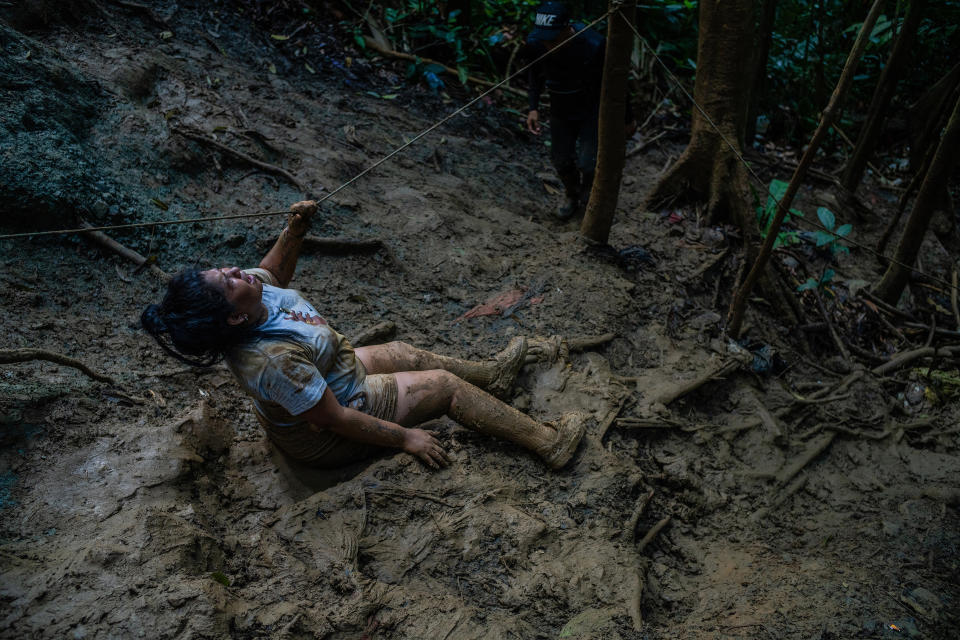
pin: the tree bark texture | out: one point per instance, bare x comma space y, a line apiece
709, 169
739, 304
944, 161
611, 140
886, 86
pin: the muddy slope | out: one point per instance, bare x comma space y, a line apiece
154, 507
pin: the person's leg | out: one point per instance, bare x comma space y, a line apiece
563, 154
425, 395
587, 155
496, 375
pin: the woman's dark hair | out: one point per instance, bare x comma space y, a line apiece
191, 322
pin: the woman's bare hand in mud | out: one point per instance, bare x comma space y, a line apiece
423, 445
300, 216
533, 122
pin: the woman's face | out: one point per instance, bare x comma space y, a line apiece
241, 290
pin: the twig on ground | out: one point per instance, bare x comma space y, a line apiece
612, 415
648, 423
583, 343
654, 531
240, 155
646, 143
811, 400
12, 356
109, 243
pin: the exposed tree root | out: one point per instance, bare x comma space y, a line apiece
240, 155
375, 334
669, 395
653, 533
11, 356
630, 528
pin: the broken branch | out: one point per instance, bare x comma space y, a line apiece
109, 243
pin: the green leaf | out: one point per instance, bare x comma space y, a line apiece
827, 276
309, 68
826, 217
822, 238
843, 230
160, 204
462, 74
279, 37
809, 284
389, 96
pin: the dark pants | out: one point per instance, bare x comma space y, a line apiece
567, 155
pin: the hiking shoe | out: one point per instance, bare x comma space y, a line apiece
509, 362
570, 429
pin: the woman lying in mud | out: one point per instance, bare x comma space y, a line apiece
321, 401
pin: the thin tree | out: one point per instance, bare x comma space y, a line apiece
739, 304
611, 141
709, 168
943, 163
882, 95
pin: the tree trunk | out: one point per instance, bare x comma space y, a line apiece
944, 161
611, 140
882, 95
927, 112
709, 168
764, 37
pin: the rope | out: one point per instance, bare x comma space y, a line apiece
753, 173
343, 186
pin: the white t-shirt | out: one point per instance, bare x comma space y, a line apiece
299, 356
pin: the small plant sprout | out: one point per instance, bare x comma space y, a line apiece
831, 237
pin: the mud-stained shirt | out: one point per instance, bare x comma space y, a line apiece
298, 357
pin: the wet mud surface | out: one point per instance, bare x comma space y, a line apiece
156, 508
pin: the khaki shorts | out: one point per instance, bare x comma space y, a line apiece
376, 396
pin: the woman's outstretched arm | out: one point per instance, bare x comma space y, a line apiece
281, 260
356, 425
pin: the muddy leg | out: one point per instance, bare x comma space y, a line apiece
424, 395
497, 374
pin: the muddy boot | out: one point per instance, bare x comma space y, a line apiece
554, 442
496, 374
507, 366
571, 198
